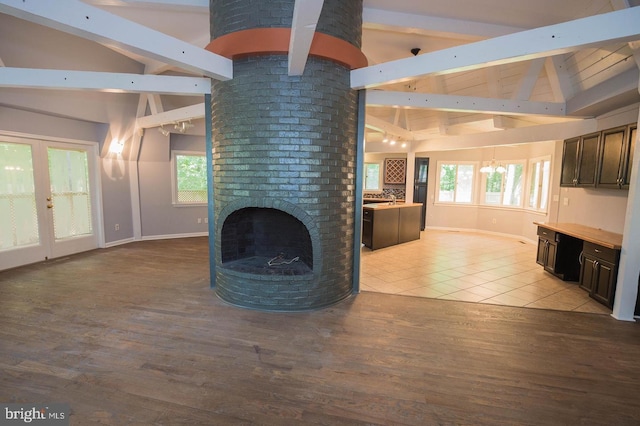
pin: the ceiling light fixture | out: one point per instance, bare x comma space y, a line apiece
492, 167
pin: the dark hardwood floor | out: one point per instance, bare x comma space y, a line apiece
133, 335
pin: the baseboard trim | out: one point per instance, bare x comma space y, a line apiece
481, 231
119, 242
173, 236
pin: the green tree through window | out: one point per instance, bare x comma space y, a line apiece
191, 179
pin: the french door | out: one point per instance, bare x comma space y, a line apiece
48, 200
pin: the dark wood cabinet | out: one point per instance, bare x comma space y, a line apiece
559, 254
615, 155
580, 161
632, 135
601, 160
599, 272
569, 162
547, 249
384, 226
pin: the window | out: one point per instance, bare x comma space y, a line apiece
372, 177
505, 189
539, 176
190, 178
456, 182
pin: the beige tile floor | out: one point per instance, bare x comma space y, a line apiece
471, 267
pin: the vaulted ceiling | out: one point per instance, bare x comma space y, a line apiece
482, 66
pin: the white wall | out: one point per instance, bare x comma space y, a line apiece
518, 222
598, 208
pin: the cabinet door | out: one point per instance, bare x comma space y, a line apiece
569, 162
552, 250
588, 159
541, 257
612, 157
587, 273
632, 134
604, 283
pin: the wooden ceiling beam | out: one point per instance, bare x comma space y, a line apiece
89, 22
607, 28
303, 27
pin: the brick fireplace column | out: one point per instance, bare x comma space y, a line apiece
284, 156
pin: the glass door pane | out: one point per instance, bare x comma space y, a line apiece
71, 198
19, 224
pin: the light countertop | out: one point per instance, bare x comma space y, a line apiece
586, 233
384, 206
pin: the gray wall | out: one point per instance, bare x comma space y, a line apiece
158, 216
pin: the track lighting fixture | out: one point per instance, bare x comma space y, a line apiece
164, 131
182, 126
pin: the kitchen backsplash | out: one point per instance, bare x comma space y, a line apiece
387, 193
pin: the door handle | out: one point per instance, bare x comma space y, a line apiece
49, 205
48, 198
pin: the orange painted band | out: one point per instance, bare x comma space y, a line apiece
269, 41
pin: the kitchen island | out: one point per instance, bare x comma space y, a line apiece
385, 224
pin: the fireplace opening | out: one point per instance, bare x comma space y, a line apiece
266, 241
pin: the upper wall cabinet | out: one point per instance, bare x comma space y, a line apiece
632, 135
580, 160
614, 151
602, 159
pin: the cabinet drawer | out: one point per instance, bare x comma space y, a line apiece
600, 252
547, 233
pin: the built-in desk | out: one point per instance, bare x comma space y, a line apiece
581, 253
385, 224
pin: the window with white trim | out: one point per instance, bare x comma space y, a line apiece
189, 170
373, 178
505, 189
539, 179
455, 182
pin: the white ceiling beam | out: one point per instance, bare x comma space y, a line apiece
635, 46
178, 4
505, 122
432, 25
375, 123
528, 81
155, 104
303, 26
529, 134
92, 23
625, 83
558, 78
192, 112
379, 98
103, 81
618, 26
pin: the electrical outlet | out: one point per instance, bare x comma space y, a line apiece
565, 201
117, 226
206, 220
493, 221
199, 220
